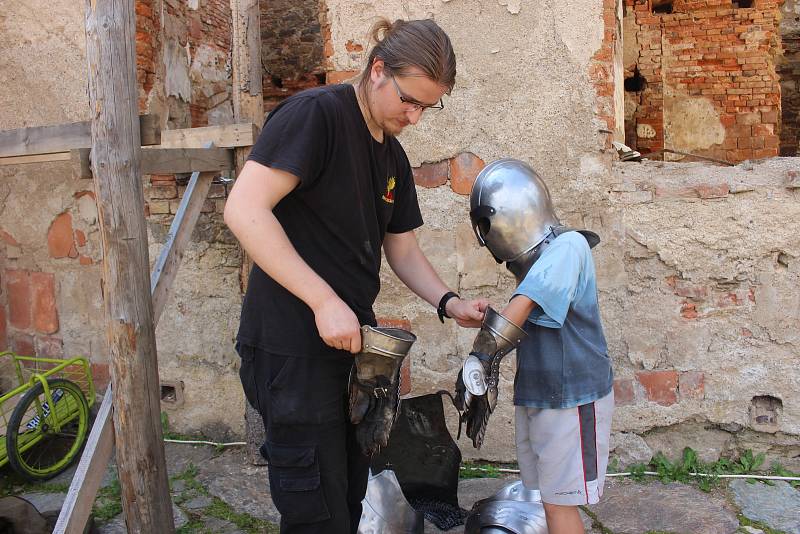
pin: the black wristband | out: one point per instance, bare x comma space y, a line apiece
440, 310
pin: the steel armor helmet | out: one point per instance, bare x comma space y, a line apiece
510, 209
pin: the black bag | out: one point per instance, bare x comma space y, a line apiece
425, 459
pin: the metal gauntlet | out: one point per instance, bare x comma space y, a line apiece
498, 336
375, 384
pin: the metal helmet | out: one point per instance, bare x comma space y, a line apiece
510, 209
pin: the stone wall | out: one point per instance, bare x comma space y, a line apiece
291, 48
702, 77
705, 306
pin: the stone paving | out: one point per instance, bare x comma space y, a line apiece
221, 493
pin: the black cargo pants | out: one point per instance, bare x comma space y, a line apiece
317, 473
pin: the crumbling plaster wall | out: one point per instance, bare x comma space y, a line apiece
709, 307
50, 249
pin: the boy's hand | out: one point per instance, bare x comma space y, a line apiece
467, 313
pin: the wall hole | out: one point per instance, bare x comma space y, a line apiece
765, 411
742, 4
662, 7
635, 83
172, 393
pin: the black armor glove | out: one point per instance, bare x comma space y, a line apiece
375, 385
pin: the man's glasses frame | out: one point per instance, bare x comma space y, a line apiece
413, 104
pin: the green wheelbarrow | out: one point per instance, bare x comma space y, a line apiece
46, 417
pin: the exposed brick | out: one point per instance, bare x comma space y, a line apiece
85, 260
660, 387
464, 168
101, 375
431, 174
158, 207
688, 310
18, 289
339, 76
49, 347
8, 239
712, 190
60, 240
159, 192
80, 238
691, 385
22, 344
45, 315
624, 392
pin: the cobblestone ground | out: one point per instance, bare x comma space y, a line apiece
221, 493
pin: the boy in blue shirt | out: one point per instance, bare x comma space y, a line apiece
563, 387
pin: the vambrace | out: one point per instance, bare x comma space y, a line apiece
498, 336
375, 384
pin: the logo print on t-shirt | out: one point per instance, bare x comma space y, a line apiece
388, 196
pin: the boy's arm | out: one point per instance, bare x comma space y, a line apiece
518, 309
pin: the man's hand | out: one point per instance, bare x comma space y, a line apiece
467, 313
337, 325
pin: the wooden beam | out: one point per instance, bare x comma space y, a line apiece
180, 233
224, 136
248, 106
166, 161
64, 137
87, 478
175, 160
36, 158
116, 142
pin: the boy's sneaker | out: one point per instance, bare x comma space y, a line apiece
474, 376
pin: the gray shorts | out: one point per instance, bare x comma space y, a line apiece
564, 452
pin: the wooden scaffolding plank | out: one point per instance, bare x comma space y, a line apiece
180, 232
224, 136
36, 140
87, 479
165, 161
116, 147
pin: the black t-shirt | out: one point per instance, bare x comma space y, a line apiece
352, 191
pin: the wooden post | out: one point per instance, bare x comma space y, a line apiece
248, 106
110, 52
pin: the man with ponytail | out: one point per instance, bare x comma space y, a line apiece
326, 187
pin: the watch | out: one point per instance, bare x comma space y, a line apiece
441, 309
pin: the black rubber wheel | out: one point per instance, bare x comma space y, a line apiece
35, 449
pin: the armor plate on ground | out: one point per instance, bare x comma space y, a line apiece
512, 509
385, 509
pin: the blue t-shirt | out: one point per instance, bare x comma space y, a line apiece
564, 360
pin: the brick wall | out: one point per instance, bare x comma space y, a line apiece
291, 48
789, 71
716, 56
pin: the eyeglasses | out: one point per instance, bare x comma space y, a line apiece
413, 105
